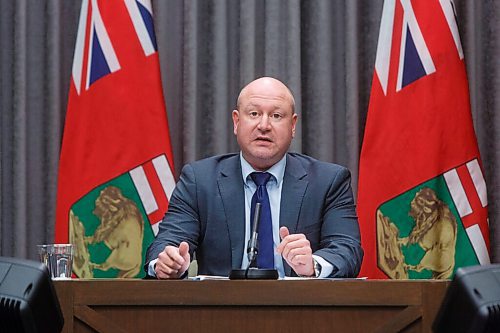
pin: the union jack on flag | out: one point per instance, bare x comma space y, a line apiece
94, 45
415, 60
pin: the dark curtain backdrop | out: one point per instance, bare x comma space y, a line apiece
324, 50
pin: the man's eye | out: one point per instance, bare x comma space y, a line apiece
276, 116
254, 114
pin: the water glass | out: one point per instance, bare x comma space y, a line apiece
58, 258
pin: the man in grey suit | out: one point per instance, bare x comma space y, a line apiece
315, 229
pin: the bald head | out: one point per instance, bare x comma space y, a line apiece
263, 86
264, 122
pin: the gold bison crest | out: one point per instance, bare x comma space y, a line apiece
434, 231
121, 230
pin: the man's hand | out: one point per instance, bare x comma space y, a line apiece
297, 252
173, 262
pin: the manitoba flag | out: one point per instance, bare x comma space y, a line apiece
115, 169
422, 201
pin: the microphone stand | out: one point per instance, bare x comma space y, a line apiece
252, 273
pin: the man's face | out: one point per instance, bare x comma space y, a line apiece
264, 125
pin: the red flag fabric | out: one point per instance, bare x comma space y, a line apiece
116, 163
422, 201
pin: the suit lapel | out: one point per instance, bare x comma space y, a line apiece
292, 194
232, 193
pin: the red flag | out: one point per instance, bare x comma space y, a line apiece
115, 170
422, 197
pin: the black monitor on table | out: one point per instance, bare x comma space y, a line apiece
472, 302
28, 301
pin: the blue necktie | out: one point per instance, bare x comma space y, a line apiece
265, 258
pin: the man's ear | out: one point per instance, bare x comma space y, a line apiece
294, 123
236, 119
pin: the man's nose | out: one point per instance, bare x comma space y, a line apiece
264, 122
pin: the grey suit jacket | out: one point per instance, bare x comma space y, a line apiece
207, 209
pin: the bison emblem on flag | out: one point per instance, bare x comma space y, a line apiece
441, 215
112, 224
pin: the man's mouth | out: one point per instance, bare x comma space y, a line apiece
263, 138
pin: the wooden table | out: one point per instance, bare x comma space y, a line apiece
249, 306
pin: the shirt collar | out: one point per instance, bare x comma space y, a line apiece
277, 170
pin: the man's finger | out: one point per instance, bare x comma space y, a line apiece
284, 232
295, 248
299, 257
183, 249
290, 242
173, 254
164, 271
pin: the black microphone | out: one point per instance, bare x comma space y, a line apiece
253, 242
252, 253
